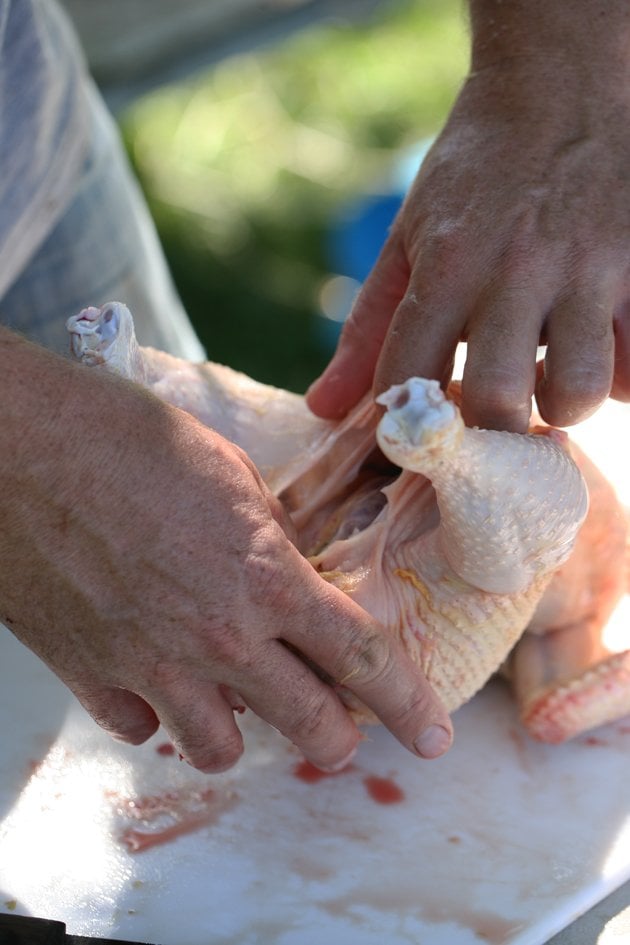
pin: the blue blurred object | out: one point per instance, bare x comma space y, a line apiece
355, 241
359, 233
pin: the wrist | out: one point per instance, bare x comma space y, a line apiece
591, 37
58, 417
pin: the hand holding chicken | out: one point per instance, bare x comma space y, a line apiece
471, 541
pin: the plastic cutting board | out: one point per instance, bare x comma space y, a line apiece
502, 841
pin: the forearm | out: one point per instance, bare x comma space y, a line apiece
591, 35
551, 81
59, 421
63, 434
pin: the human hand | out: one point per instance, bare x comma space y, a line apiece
514, 232
144, 560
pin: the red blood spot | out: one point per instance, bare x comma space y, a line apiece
594, 740
165, 749
308, 773
383, 790
238, 708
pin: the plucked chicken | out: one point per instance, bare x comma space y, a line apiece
481, 550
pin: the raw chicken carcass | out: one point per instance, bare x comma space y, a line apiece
463, 544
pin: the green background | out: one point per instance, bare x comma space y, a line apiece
247, 166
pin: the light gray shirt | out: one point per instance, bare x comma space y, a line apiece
43, 127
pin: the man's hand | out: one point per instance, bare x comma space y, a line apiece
144, 560
515, 230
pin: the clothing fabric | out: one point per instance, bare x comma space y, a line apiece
43, 129
74, 227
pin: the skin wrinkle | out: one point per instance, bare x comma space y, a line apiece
310, 717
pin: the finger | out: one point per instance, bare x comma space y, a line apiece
426, 326
198, 718
500, 371
358, 653
290, 696
126, 716
350, 372
621, 372
579, 362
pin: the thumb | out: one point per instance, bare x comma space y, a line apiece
351, 370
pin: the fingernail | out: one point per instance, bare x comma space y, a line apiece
433, 742
338, 766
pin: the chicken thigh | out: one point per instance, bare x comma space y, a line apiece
465, 543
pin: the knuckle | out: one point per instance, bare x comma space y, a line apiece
357, 333
570, 397
132, 728
310, 718
132, 733
408, 309
591, 387
166, 674
497, 403
369, 658
497, 400
411, 714
444, 246
225, 643
264, 578
218, 757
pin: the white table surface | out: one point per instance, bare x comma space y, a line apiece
503, 840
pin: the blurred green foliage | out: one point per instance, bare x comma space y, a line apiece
246, 166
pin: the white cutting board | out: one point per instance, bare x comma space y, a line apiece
501, 841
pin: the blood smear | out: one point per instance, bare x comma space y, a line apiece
383, 790
307, 772
187, 810
139, 840
165, 749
